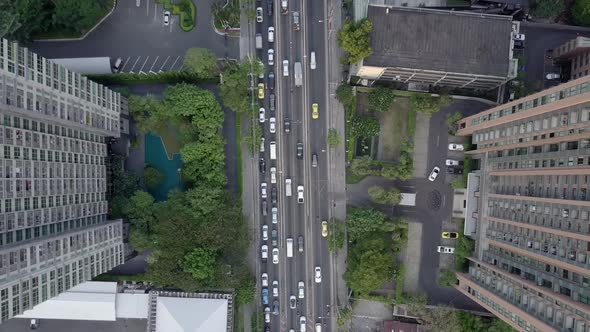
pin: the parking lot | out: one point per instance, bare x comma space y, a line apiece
138, 35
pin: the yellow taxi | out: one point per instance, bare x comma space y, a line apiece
450, 235
324, 228
315, 113
260, 90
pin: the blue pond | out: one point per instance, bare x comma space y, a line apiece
155, 156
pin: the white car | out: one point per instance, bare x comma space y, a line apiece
318, 274
292, 302
275, 255
273, 125
271, 57
263, 189
265, 232
452, 162
302, 324
273, 175
455, 147
264, 252
285, 67
264, 280
261, 115
166, 18
271, 34
275, 288
274, 212
434, 173
267, 315
259, 14
301, 290
261, 144
445, 250
519, 36
300, 194
552, 76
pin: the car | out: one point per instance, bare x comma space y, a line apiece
287, 125
273, 195
261, 115
285, 67
296, 22
265, 232
299, 150
261, 73
272, 125
452, 162
267, 315
445, 250
315, 114
454, 170
552, 76
450, 235
34, 324
259, 15
318, 274
264, 208
271, 57
166, 17
455, 147
275, 255
260, 90
300, 243
275, 307
269, 7
263, 189
519, 36
324, 228
271, 81
272, 102
292, 302
301, 290
302, 324
273, 175
264, 250
300, 194
275, 288
314, 160
264, 296
262, 165
274, 212
274, 237
271, 34
519, 44
261, 144
434, 173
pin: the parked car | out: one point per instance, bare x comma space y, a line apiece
261, 115
264, 296
260, 90
274, 237
552, 76
261, 144
445, 250
275, 307
272, 102
453, 162
300, 194
267, 315
264, 232
302, 324
262, 165
455, 147
450, 235
264, 208
519, 36
519, 44
166, 18
434, 173
271, 81
259, 15
273, 195
271, 57
314, 160
273, 175
272, 125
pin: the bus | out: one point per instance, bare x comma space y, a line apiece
289, 247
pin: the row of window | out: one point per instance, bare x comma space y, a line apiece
18, 153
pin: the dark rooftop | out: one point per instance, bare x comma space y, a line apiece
65, 325
439, 40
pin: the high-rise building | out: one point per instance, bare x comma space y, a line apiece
54, 232
528, 210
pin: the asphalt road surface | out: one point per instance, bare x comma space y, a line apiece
295, 219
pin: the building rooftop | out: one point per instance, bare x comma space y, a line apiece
439, 40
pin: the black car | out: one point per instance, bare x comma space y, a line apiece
274, 237
264, 208
519, 44
262, 165
287, 125
299, 150
272, 101
269, 7
271, 80
454, 170
273, 196
300, 243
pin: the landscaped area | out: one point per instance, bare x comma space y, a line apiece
226, 14
185, 9
157, 156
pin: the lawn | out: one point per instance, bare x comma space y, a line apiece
394, 129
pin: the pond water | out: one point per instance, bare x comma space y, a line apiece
155, 156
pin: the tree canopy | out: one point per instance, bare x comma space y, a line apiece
200, 62
380, 99
369, 266
581, 12
381, 195
200, 263
235, 89
152, 177
140, 210
353, 37
428, 104
364, 126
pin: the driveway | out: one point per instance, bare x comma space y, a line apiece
138, 36
434, 204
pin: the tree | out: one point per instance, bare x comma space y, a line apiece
152, 177
353, 38
9, 18
139, 239
380, 99
333, 137
471, 322
200, 263
429, 104
498, 325
344, 94
200, 62
246, 291
463, 250
28, 17
235, 90
362, 221
140, 210
76, 15
364, 126
252, 140
362, 166
204, 201
369, 265
204, 162
380, 195
198, 106
548, 8
447, 278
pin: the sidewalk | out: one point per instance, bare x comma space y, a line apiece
421, 145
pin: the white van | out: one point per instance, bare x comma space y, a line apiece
318, 327
117, 65
289, 247
312, 63
288, 189
273, 150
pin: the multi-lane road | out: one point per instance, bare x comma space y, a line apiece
295, 220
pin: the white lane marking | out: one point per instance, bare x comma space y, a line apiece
146, 59
147, 8
134, 64
154, 63
437, 140
162, 66
172, 67
126, 63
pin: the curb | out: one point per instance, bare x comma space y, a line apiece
554, 26
87, 33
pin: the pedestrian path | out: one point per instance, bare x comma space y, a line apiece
421, 145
